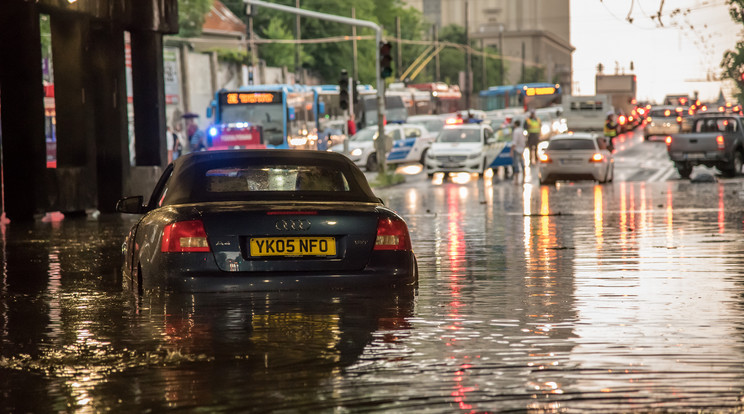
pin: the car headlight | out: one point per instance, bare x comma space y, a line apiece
429, 155
356, 151
474, 155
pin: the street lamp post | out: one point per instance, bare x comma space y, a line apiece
380, 143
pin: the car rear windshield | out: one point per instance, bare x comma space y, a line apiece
571, 144
716, 125
275, 178
262, 180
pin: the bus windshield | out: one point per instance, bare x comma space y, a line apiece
268, 116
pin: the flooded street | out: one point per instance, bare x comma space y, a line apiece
574, 297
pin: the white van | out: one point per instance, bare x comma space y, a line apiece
586, 113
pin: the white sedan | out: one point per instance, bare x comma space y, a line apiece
361, 146
469, 148
576, 156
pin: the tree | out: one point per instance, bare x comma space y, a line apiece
732, 62
191, 14
328, 58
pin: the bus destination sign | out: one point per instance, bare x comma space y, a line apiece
237, 98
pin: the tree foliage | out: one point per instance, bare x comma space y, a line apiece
191, 14
327, 59
733, 60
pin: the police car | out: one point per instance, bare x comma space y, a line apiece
361, 146
412, 146
463, 147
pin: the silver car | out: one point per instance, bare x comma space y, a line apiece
576, 156
661, 120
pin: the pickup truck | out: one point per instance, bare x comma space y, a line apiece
715, 140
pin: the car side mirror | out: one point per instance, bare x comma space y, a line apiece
130, 205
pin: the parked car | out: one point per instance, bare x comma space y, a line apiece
247, 220
576, 156
661, 120
470, 147
416, 141
361, 146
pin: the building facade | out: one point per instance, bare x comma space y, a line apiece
532, 33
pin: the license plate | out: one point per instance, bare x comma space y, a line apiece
293, 246
571, 161
695, 155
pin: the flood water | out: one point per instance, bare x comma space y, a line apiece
616, 298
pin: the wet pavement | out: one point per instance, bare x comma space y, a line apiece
568, 298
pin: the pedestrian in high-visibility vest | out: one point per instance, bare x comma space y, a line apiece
610, 131
533, 136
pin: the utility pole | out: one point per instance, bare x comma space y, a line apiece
468, 67
501, 54
437, 74
355, 70
254, 53
399, 58
298, 36
484, 80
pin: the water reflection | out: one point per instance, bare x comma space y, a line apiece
568, 298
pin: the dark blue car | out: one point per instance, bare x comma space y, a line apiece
248, 220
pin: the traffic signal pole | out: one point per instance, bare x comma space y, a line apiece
380, 142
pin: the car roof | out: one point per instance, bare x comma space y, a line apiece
190, 168
575, 135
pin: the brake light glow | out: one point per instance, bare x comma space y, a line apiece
721, 142
392, 234
597, 157
668, 140
545, 159
184, 236
621, 120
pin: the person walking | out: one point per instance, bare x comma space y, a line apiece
610, 131
517, 152
196, 137
533, 135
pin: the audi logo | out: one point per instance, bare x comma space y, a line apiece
292, 224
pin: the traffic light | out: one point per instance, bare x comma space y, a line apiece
343, 95
386, 61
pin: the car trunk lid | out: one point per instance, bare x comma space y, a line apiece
290, 237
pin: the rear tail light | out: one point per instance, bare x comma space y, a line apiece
545, 159
679, 119
597, 157
668, 140
392, 234
621, 120
721, 142
184, 236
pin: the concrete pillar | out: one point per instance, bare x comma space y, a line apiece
108, 77
21, 110
148, 89
73, 182
69, 34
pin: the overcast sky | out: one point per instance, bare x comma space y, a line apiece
674, 57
